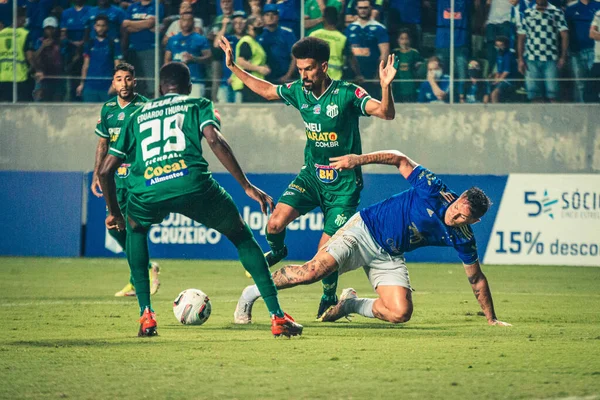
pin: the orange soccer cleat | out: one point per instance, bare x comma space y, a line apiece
147, 323
285, 326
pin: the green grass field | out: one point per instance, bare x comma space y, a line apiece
64, 335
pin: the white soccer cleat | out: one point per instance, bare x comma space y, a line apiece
338, 311
243, 312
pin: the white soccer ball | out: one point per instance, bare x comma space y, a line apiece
192, 307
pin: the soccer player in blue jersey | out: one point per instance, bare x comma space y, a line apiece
376, 238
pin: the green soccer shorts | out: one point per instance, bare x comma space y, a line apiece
306, 193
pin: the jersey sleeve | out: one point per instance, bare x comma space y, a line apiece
101, 129
467, 248
562, 23
289, 93
358, 97
208, 115
382, 35
125, 143
425, 182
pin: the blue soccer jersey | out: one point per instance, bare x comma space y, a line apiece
579, 18
75, 22
278, 46
426, 94
102, 55
364, 42
193, 44
462, 23
415, 218
144, 39
115, 15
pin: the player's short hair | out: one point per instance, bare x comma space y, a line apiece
330, 15
125, 67
504, 40
405, 30
175, 74
102, 17
311, 47
370, 2
479, 202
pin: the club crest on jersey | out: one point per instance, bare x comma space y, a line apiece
123, 171
332, 110
317, 109
326, 173
121, 116
360, 92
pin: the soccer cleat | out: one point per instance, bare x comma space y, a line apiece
325, 304
336, 312
273, 258
154, 282
147, 323
285, 326
127, 291
243, 312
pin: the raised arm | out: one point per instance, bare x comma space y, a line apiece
219, 146
386, 157
384, 109
482, 293
258, 86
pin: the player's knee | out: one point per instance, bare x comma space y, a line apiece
400, 315
240, 235
275, 225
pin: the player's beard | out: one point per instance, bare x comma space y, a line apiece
126, 94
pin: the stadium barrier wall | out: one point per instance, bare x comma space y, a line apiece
41, 213
269, 138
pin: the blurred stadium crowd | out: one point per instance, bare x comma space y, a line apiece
504, 50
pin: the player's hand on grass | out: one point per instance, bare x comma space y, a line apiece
349, 161
266, 201
96, 189
387, 72
226, 47
115, 222
495, 322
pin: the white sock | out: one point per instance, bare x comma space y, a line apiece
362, 307
251, 294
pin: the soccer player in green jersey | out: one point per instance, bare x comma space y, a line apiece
168, 173
330, 109
112, 116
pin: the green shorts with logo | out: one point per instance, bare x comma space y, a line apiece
306, 193
213, 208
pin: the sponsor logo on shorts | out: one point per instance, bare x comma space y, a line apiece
164, 173
297, 188
289, 193
326, 174
123, 171
340, 219
332, 110
317, 109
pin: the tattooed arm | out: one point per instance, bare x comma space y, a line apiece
482, 293
316, 269
387, 157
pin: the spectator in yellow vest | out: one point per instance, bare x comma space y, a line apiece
24, 57
251, 57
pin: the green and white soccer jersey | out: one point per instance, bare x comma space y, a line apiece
332, 129
162, 140
112, 118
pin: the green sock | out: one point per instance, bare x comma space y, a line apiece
138, 257
276, 241
330, 285
121, 238
253, 260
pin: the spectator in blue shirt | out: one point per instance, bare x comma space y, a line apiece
139, 25
277, 42
6, 12
192, 49
477, 90
72, 24
581, 47
462, 35
506, 70
370, 45
437, 87
100, 56
289, 15
116, 16
225, 93
37, 12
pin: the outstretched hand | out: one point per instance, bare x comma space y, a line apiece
349, 161
226, 47
265, 201
387, 72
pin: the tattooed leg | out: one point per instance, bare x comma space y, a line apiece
316, 269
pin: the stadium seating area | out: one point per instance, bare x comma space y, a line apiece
66, 52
